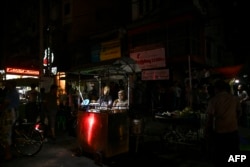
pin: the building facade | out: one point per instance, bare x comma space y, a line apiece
180, 38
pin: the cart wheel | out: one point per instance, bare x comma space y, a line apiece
98, 158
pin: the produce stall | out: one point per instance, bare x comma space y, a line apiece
184, 127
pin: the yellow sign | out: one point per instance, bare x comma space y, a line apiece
110, 50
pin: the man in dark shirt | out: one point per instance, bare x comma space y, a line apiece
223, 113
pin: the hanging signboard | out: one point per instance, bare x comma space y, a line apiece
110, 50
149, 59
161, 74
48, 57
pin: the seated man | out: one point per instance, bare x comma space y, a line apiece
121, 102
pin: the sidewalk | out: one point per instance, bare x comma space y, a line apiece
244, 138
59, 153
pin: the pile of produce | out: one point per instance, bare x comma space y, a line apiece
187, 112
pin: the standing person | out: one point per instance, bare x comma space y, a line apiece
105, 100
178, 92
2, 94
159, 98
243, 96
204, 97
8, 115
223, 112
42, 108
122, 101
31, 106
52, 107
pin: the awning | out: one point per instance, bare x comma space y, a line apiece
228, 71
122, 66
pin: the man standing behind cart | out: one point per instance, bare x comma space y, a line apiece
105, 100
122, 101
223, 113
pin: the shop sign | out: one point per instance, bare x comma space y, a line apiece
48, 57
21, 71
149, 59
110, 50
161, 74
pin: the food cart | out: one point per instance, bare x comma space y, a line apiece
104, 132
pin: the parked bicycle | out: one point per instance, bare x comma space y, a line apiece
27, 138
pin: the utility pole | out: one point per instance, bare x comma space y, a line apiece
41, 39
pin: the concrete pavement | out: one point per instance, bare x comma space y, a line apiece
53, 154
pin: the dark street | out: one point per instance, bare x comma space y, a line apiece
151, 152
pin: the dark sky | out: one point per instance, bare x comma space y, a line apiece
236, 17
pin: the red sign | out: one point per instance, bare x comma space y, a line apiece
149, 59
22, 71
160, 74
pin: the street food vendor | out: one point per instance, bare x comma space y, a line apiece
122, 101
105, 100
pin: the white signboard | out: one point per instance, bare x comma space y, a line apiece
162, 74
149, 59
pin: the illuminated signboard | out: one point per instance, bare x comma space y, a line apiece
22, 71
48, 57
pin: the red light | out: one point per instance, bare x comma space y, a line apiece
22, 71
90, 122
37, 126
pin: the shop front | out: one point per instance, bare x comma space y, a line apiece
23, 78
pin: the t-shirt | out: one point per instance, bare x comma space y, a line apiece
224, 108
